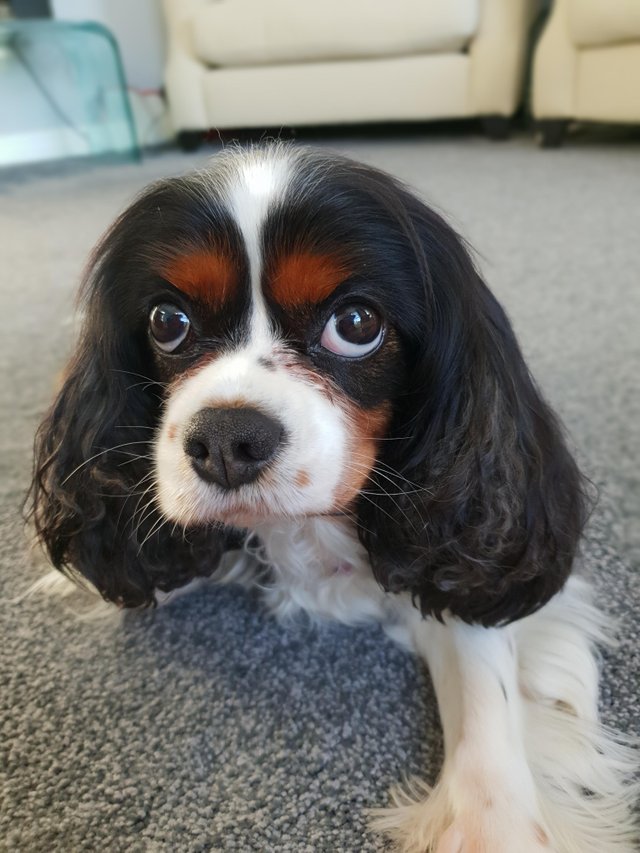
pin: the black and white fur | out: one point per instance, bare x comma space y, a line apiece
462, 528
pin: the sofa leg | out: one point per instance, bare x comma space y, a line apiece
189, 140
550, 132
496, 127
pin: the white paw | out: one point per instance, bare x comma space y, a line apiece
432, 821
486, 833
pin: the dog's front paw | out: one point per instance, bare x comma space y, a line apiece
439, 820
418, 818
488, 833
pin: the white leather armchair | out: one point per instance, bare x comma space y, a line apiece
587, 66
268, 63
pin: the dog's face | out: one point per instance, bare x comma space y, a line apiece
279, 330
292, 334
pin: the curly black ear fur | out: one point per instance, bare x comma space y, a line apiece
489, 504
92, 492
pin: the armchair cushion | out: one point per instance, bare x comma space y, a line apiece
595, 23
253, 32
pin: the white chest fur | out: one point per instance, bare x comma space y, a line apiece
320, 566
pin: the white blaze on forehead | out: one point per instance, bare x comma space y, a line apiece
258, 183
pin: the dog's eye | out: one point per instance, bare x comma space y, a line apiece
169, 326
353, 331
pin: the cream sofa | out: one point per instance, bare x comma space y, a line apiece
587, 66
269, 63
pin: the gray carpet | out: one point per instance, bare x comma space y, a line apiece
206, 726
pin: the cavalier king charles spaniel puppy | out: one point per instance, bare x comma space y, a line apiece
291, 367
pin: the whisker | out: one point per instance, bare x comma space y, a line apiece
383, 491
383, 511
136, 486
157, 527
150, 475
396, 494
365, 469
131, 494
145, 384
146, 512
354, 518
133, 373
385, 466
136, 459
101, 453
135, 527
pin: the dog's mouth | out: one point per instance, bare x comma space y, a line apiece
246, 518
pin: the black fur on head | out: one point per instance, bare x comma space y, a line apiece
92, 495
486, 505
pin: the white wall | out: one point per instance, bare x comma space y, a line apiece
139, 30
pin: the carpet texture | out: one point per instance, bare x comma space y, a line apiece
205, 725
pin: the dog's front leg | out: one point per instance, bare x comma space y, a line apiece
485, 800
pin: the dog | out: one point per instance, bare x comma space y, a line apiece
290, 368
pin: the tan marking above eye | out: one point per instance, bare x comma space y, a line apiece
203, 274
305, 277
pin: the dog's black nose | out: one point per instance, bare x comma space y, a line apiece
231, 446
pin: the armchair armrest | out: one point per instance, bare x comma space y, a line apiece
183, 72
498, 55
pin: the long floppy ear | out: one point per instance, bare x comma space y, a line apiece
487, 504
92, 495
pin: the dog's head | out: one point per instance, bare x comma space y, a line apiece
290, 334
